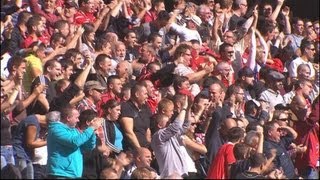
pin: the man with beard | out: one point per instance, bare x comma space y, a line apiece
234, 99
47, 11
272, 93
245, 80
35, 28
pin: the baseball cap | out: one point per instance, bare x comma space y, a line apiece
195, 19
245, 71
275, 76
89, 85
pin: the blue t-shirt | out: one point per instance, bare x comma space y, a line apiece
118, 137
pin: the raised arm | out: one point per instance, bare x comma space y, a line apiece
276, 11
81, 79
287, 26
253, 50
264, 45
216, 24
175, 127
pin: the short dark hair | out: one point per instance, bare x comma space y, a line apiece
182, 48
235, 134
100, 58
86, 115
33, 21
60, 24
233, 89
223, 47
60, 83
267, 127
200, 96
249, 107
49, 63
240, 151
15, 61
73, 52
56, 37
305, 43
178, 80
65, 63
266, 26
111, 79
23, 17
257, 159
112, 103
136, 88
152, 37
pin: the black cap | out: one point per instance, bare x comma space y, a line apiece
282, 107
245, 71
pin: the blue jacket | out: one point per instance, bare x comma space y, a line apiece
64, 149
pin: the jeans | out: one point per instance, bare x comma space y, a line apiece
6, 156
26, 168
312, 173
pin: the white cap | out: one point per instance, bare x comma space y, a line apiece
195, 19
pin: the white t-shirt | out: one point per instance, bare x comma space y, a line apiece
186, 34
294, 66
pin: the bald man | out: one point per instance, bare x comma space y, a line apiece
141, 158
216, 134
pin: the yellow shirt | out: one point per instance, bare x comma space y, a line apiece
33, 62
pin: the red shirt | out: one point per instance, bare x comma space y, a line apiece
149, 17
152, 103
81, 17
219, 166
29, 40
311, 156
104, 98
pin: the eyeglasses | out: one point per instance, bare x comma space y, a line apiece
245, 5
228, 36
309, 26
230, 52
284, 119
100, 91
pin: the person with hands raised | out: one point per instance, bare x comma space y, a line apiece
274, 140
65, 144
166, 143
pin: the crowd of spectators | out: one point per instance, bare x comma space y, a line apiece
155, 89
